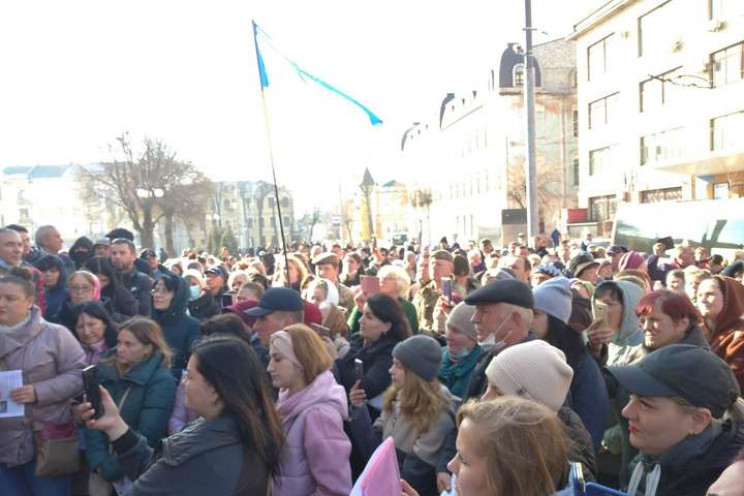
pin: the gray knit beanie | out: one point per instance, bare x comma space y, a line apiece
554, 298
459, 319
421, 355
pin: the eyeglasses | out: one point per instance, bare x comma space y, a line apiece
160, 290
81, 289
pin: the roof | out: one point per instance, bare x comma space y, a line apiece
598, 16
48, 171
392, 184
367, 181
16, 170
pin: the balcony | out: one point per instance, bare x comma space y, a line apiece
705, 164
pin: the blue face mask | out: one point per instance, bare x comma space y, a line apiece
194, 292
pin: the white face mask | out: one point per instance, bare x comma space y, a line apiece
490, 342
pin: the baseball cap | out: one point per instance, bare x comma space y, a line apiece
689, 372
217, 271
277, 300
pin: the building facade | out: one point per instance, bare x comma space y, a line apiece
661, 103
472, 153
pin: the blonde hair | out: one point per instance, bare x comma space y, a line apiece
524, 445
421, 400
402, 279
310, 351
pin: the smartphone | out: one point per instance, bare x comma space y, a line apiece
447, 289
359, 369
227, 299
322, 331
92, 393
370, 284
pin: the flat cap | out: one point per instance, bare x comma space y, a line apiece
326, 258
503, 291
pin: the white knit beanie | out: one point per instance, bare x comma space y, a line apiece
533, 370
196, 275
460, 320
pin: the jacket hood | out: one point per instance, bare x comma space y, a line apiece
322, 391
180, 303
22, 335
630, 329
50, 261
733, 304
82, 242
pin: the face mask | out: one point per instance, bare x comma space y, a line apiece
459, 355
194, 292
490, 342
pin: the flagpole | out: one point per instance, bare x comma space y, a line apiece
259, 62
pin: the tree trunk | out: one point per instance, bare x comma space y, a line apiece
148, 227
169, 235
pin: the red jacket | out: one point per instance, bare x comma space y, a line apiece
726, 336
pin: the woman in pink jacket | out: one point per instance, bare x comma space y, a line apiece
313, 408
51, 360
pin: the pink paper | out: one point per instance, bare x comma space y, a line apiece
381, 476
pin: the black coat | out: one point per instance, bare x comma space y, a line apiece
207, 457
140, 286
203, 307
377, 360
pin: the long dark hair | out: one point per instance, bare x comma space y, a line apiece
231, 367
565, 339
387, 309
102, 265
227, 324
97, 311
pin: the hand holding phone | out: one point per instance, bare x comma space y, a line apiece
447, 289
359, 369
599, 309
92, 393
322, 331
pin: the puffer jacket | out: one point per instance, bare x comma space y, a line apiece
726, 333
51, 360
316, 444
146, 409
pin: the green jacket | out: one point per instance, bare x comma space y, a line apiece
408, 310
147, 408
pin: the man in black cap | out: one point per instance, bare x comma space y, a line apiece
616, 252
216, 281
679, 395
277, 309
502, 318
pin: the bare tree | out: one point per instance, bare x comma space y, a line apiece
549, 193
148, 186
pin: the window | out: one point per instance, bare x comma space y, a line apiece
660, 28
576, 172
599, 57
727, 65
250, 222
575, 123
658, 91
660, 195
602, 110
602, 208
271, 202
273, 222
518, 75
601, 160
721, 191
659, 147
726, 131
285, 202
724, 9
286, 221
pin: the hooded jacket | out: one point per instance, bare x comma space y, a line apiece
204, 306
180, 330
146, 408
51, 360
619, 349
56, 295
78, 256
316, 444
726, 333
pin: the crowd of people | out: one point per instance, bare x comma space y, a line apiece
536, 368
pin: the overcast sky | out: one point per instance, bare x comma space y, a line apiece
78, 73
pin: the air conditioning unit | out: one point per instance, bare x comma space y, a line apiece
716, 25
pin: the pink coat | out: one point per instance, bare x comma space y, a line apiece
51, 359
315, 460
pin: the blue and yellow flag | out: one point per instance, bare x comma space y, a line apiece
259, 35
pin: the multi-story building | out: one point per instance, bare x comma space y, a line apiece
472, 154
250, 210
33, 196
661, 103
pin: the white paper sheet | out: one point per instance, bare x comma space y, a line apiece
10, 380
